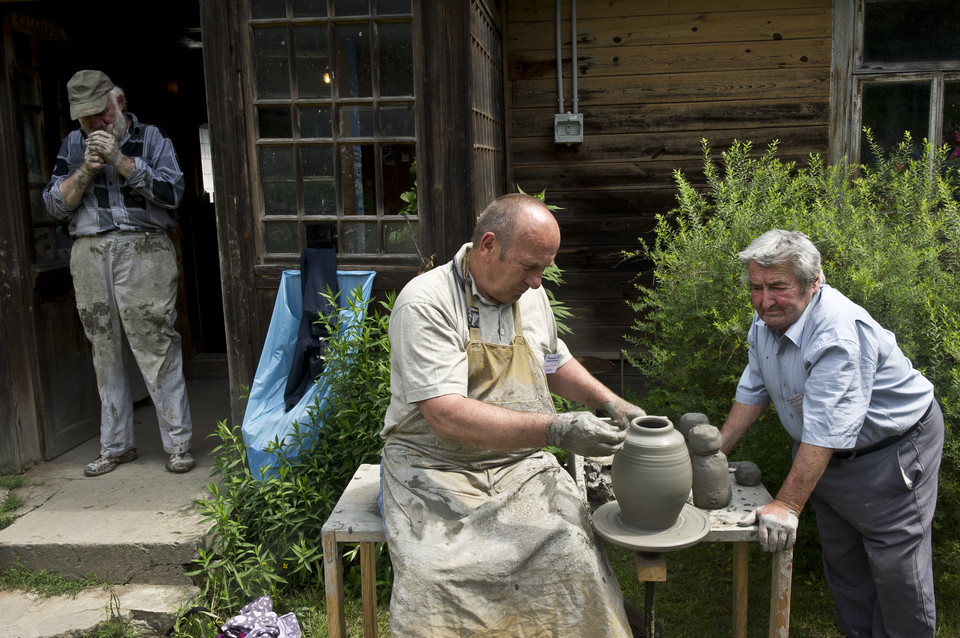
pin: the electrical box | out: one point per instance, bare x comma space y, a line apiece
567, 128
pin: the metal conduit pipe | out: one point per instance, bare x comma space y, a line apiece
559, 62
573, 51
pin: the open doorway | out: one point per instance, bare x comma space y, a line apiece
155, 54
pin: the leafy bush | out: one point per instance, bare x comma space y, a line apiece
889, 236
266, 533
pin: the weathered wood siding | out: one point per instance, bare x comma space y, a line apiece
655, 77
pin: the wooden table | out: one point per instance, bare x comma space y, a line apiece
356, 519
724, 529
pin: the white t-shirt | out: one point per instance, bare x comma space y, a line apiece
429, 336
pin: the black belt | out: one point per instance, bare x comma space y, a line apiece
879, 445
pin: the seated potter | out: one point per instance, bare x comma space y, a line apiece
487, 534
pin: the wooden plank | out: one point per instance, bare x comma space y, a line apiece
629, 61
545, 10
689, 116
663, 148
800, 84
650, 567
356, 516
676, 28
229, 136
626, 176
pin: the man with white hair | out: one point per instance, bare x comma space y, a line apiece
868, 438
118, 184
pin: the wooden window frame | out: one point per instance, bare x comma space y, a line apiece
850, 74
380, 259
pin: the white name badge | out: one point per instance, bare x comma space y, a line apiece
550, 363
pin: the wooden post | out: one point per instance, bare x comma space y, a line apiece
368, 588
780, 594
740, 569
333, 587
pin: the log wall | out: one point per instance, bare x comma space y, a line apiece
654, 78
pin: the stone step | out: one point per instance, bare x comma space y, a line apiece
151, 608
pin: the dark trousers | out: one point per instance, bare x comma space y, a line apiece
874, 514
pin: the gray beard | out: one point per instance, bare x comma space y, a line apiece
120, 128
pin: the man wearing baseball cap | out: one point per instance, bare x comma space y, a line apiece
118, 184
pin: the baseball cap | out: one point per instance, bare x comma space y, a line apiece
87, 91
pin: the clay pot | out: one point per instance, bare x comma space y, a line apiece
652, 474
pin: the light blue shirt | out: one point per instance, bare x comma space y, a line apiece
836, 377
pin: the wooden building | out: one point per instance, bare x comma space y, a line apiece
318, 111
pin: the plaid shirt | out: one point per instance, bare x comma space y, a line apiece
145, 202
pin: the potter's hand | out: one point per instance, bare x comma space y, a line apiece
105, 145
623, 412
585, 434
778, 525
92, 162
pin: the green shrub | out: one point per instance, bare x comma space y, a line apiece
265, 535
889, 236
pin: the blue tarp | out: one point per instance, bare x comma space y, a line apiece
265, 419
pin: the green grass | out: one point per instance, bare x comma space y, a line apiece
44, 583
11, 502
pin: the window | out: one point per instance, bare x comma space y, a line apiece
908, 73
336, 136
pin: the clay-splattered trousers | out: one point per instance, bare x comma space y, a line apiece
126, 282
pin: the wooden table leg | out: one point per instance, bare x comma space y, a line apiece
780, 585
333, 588
368, 588
740, 569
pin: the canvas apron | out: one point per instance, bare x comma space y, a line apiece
492, 542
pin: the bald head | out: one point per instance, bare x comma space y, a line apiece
516, 237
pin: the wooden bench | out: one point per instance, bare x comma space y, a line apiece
356, 519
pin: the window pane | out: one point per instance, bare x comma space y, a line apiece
322, 234
268, 8
400, 237
275, 121
270, 48
951, 119
353, 74
351, 7
396, 58
315, 122
357, 179
397, 121
317, 161
398, 176
313, 61
889, 109
279, 180
909, 31
356, 121
310, 8
281, 237
386, 7
319, 180
359, 238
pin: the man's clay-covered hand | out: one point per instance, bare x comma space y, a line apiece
623, 412
585, 434
105, 145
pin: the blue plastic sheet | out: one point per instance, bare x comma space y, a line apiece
266, 419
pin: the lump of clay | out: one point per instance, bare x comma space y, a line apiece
688, 421
711, 479
747, 473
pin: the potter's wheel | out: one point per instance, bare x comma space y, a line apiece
691, 526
